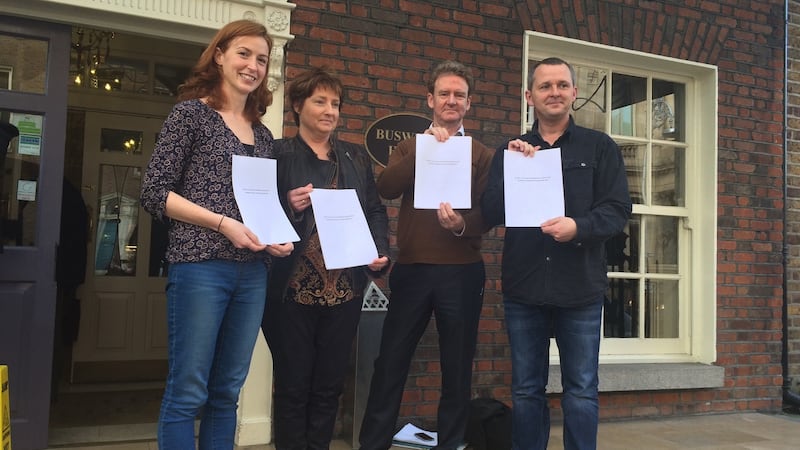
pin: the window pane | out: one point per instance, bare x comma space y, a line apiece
122, 74
6, 74
23, 64
668, 110
661, 314
158, 264
629, 105
622, 251
73, 147
635, 163
668, 175
621, 311
89, 52
122, 141
117, 220
168, 78
20, 155
589, 109
661, 244
618, 252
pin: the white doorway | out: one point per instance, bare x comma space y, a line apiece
122, 335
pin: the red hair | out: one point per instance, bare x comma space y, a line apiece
206, 78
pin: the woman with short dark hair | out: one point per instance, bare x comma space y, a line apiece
312, 312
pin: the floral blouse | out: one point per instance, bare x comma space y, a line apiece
193, 158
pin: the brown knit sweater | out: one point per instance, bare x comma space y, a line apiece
420, 238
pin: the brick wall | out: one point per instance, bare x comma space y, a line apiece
384, 49
750, 194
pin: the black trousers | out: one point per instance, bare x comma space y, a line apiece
454, 294
311, 348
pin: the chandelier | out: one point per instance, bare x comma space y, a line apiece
90, 51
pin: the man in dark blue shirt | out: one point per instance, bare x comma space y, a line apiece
555, 276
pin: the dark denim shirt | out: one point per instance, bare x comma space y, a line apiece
538, 270
193, 158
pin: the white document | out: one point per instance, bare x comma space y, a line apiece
443, 172
255, 187
343, 231
407, 438
407, 435
533, 186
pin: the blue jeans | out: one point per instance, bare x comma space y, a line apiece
577, 333
214, 311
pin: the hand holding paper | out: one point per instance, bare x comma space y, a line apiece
343, 231
527, 149
242, 237
533, 187
443, 172
255, 187
300, 198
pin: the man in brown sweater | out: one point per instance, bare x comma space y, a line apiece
439, 270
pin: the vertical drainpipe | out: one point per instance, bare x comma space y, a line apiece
790, 398
784, 305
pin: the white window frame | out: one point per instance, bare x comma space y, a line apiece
9, 74
698, 243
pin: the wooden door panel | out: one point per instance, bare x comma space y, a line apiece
113, 310
157, 317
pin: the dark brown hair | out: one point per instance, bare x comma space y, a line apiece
450, 68
304, 85
206, 77
552, 61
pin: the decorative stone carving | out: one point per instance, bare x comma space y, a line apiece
278, 20
275, 75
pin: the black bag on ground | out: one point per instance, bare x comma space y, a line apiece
489, 425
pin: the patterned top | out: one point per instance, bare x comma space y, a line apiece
193, 158
310, 282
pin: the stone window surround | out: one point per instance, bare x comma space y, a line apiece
694, 370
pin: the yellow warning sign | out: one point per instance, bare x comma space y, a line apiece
5, 409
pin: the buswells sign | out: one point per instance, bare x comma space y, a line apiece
384, 134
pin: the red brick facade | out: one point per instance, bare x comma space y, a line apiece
384, 49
